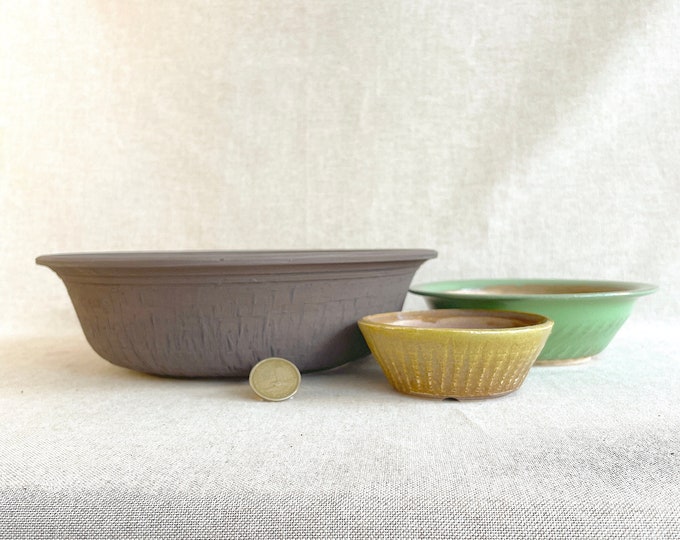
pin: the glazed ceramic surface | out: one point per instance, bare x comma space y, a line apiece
216, 314
587, 314
461, 354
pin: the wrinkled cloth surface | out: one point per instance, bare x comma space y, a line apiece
517, 138
89, 449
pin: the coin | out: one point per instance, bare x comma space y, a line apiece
274, 379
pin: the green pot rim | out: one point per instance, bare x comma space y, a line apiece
447, 289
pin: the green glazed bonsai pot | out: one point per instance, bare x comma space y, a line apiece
587, 314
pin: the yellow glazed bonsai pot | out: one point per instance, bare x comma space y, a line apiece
453, 353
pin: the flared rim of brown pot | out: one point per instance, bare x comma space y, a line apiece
182, 259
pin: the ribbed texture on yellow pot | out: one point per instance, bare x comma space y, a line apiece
461, 364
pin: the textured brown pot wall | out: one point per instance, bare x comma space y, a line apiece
217, 314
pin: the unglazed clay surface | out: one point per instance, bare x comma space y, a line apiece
460, 319
217, 315
539, 289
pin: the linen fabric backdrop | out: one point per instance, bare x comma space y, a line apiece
519, 139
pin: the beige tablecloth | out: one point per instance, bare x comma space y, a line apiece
531, 138
89, 449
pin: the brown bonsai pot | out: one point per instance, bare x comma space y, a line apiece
216, 314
